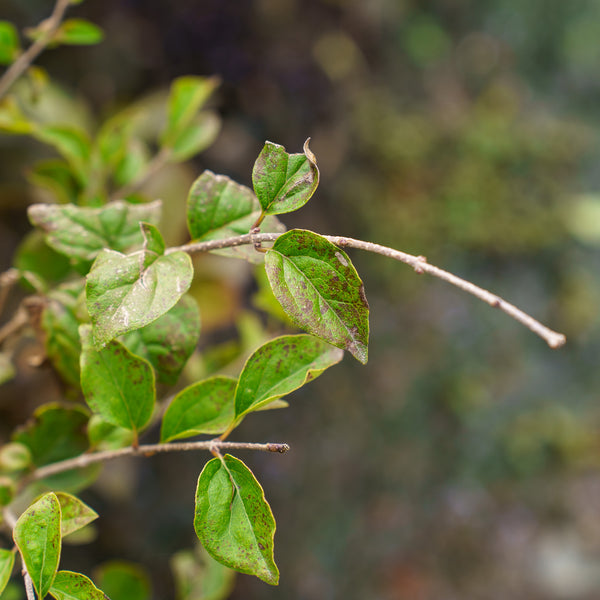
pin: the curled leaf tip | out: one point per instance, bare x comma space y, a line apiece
309, 153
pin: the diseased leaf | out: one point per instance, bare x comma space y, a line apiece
187, 96
117, 384
284, 182
78, 32
75, 514
203, 407
10, 46
218, 207
233, 521
168, 342
37, 535
122, 580
82, 232
126, 292
7, 560
319, 288
68, 585
196, 137
280, 367
198, 576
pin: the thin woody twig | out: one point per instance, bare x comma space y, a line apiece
84, 460
7, 281
418, 263
50, 25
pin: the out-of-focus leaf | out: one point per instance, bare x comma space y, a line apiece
125, 293
56, 177
75, 514
187, 96
14, 456
106, 436
10, 46
117, 385
284, 182
279, 367
133, 164
78, 32
12, 119
198, 576
196, 137
168, 342
233, 521
203, 407
7, 369
37, 535
82, 232
319, 288
8, 490
122, 580
7, 560
71, 143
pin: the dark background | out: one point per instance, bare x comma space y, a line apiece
462, 461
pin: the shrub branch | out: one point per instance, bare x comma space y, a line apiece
50, 25
418, 263
84, 460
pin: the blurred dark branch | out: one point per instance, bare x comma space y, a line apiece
418, 263
49, 27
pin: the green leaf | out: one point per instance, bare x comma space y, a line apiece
319, 288
7, 560
284, 182
106, 436
75, 514
168, 342
82, 232
71, 143
196, 137
280, 367
8, 490
75, 586
218, 207
37, 535
187, 96
63, 425
117, 384
14, 457
122, 580
60, 322
10, 46
56, 176
203, 407
233, 521
12, 119
198, 576
125, 293
78, 32
133, 163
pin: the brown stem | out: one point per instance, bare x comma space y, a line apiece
7, 281
84, 460
418, 263
50, 25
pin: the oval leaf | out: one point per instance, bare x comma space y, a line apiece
82, 232
320, 290
7, 560
233, 520
10, 45
75, 514
75, 586
125, 293
284, 182
196, 137
122, 580
37, 535
78, 32
168, 342
204, 407
117, 384
280, 367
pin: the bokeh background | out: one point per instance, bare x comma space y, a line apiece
463, 460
